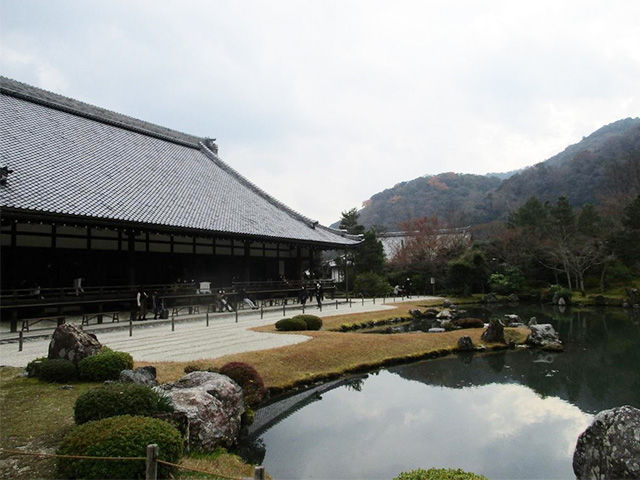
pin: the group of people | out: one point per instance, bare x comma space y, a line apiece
400, 291
317, 292
221, 300
157, 304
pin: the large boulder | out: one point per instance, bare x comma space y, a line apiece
72, 343
143, 376
494, 332
544, 337
610, 446
213, 405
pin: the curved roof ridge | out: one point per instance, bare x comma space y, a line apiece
33, 94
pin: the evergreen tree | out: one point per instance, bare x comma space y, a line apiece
349, 222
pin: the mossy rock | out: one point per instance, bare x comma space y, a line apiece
439, 474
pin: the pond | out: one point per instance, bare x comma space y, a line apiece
504, 415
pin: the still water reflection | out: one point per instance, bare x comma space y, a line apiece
504, 415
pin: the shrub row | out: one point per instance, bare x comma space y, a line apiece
105, 365
113, 399
299, 322
121, 436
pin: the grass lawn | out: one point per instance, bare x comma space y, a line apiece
35, 416
330, 354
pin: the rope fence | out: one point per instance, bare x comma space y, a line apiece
152, 461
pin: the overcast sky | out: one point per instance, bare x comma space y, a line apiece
325, 103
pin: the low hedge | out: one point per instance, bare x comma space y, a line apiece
290, 325
439, 474
122, 436
114, 399
105, 365
57, 370
312, 321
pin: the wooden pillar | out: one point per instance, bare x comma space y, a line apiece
247, 261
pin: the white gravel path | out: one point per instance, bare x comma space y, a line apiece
191, 340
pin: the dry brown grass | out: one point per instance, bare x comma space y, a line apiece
330, 354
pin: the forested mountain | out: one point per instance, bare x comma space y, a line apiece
601, 168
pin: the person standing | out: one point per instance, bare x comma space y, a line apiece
303, 295
407, 288
319, 294
141, 301
157, 304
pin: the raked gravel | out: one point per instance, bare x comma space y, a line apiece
191, 340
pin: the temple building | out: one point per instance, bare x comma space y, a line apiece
87, 192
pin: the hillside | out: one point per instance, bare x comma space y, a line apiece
604, 164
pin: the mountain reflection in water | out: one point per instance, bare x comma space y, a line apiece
503, 415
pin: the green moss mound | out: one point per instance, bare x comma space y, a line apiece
57, 370
439, 474
105, 365
111, 400
313, 322
291, 325
123, 436
249, 379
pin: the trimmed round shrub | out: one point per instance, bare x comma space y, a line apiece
290, 325
313, 322
123, 436
248, 378
115, 399
57, 370
469, 322
34, 365
105, 365
439, 474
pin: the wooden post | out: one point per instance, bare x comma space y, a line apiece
131, 325
258, 473
236, 312
374, 299
284, 310
173, 324
303, 308
261, 310
336, 304
152, 462
20, 340
207, 317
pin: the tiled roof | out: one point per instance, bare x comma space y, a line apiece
71, 158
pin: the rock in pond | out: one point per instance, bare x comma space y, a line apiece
213, 405
71, 343
610, 447
494, 332
465, 344
436, 330
545, 337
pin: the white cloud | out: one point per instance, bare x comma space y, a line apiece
324, 104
